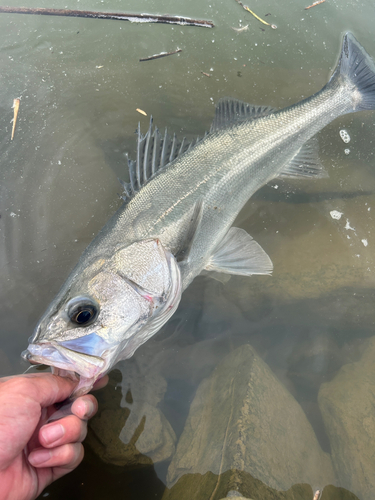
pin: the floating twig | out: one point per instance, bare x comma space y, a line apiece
141, 111
162, 54
243, 28
134, 18
314, 4
16, 107
273, 26
206, 74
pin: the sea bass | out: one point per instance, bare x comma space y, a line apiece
177, 219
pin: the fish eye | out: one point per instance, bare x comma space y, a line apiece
83, 316
82, 311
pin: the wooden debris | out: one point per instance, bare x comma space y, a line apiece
16, 107
318, 492
141, 111
273, 26
206, 74
134, 18
314, 4
162, 54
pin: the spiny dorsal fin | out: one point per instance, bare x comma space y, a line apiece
154, 152
306, 162
229, 111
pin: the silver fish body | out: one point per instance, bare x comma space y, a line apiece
177, 221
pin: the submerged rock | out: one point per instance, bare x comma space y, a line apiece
134, 437
243, 420
128, 430
213, 487
347, 404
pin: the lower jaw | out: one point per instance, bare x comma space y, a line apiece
60, 360
85, 380
84, 385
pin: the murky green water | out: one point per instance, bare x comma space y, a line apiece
80, 82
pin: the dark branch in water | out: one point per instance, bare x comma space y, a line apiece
162, 54
134, 18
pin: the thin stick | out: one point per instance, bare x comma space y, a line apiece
134, 18
314, 4
162, 54
273, 26
16, 107
244, 28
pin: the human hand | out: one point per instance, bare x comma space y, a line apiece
34, 453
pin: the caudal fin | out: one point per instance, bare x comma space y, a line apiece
355, 71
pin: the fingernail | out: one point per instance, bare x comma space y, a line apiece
52, 433
39, 457
89, 408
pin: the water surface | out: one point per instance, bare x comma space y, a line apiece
80, 82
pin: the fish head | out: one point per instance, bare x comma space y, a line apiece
105, 311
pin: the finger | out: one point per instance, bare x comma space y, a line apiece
67, 456
102, 382
67, 430
85, 407
43, 388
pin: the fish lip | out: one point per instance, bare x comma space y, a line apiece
27, 356
61, 357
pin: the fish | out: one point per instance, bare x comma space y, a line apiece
177, 221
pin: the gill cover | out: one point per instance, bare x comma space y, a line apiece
105, 313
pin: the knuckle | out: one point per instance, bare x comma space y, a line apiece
71, 453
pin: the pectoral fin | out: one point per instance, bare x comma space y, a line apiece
238, 253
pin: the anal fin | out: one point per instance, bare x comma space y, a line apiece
239, 254
306, 162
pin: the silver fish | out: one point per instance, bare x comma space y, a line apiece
177, 219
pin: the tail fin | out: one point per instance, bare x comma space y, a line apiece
356, 71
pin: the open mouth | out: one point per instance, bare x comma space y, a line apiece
55, 355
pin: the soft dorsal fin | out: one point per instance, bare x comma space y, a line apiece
229, 111
154, 152
306, 162
238, 253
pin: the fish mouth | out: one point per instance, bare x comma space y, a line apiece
55, 355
